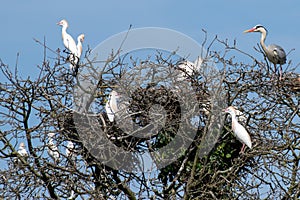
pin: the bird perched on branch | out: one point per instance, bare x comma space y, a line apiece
22, 150
238, 130
80, 40
70, 44
111, 106
22, 153
189, 68
274, 53
52, 148
70, 149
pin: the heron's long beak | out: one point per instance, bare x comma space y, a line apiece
249, 30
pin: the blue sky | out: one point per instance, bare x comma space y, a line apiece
21, 21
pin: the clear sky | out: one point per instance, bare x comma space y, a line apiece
21, 21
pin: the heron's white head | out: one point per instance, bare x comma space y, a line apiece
230, 110
80, 38
22, 145
257, 28
115, 94
63, 23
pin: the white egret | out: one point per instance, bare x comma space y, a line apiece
52, 148
188, 68
111, 106
70, 149
22, 150
70, 44
238, 130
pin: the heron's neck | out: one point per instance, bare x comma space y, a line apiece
262, 40
64, 31
233, 117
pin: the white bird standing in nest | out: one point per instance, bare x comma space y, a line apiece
238, 130
188, 68
111, 106
274, 53
52, 148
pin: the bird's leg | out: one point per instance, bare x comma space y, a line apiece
242, 149
275, 72
280, 72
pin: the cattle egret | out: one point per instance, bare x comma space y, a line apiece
241, 117
52, 148
22, 150
80, 40
69, 43
238, 130
70, 149
111, 106
274, 53
188, 68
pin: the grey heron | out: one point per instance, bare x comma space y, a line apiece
274, 53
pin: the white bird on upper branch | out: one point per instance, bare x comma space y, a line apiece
80, 40
274, 53
238, 130
70, 44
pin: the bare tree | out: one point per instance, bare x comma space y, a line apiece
31, 108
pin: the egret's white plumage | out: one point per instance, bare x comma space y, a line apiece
238, 130
72, 196
80, 40
188, 68
241, 117
22, 150
111, 106
70, 44
274, 53
68, 40
70, 149
52, 148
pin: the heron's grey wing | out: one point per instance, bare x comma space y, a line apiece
279, 53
